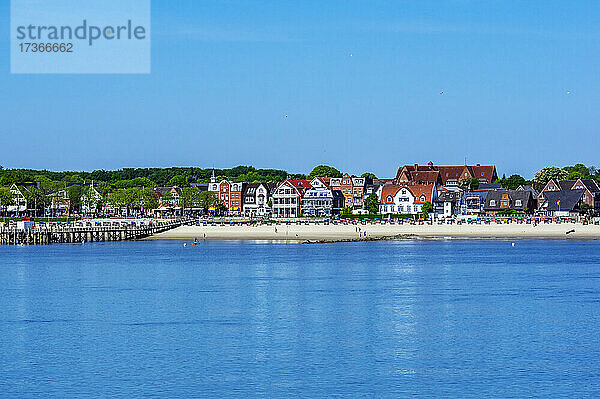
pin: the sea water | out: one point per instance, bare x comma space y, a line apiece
440, 318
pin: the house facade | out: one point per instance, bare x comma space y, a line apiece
447, 203
405, 199
353, 189
287, 198
321, 199
498, 201
19, 204
562, 203
591, 195
230, 193
255, 198
473, 202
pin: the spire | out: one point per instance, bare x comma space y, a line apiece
213, 179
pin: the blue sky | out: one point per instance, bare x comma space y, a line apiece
360, 82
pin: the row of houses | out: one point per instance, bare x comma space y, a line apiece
407, 193
448, 189
59, 200
321, 196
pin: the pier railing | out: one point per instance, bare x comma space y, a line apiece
76, 234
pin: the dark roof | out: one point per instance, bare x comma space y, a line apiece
566, 184
532, 190
591, 185
163, 190
489, 186
449, 196
568, 199
201, 186
250, 188
514, 195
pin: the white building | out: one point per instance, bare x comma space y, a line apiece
256, 198
321, 199
287, 198
405, 199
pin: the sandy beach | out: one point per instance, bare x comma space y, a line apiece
312, 233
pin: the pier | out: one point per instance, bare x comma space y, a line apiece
57, 235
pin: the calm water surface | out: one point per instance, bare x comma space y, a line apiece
377, 319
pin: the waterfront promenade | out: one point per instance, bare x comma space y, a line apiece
75, 234
311, 232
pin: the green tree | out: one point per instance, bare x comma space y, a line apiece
513, 182
368, 175
74, 193
324, 171
167, 199
6, 198
208, 200
470, 183
148, 198
585, 209
579, 171
427, 209
548, 173
346, 211
190, 197
372, 203
179, 181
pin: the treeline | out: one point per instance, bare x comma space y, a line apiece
146, 177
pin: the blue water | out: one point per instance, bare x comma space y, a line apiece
375, 319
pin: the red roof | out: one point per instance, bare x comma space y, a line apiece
417, 190
300, 185
427, 173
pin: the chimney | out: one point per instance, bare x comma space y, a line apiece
478, 164
416, 166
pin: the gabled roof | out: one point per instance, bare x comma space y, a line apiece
420, 190
591, 185
416, 190
487, 172
389, 190
299, 185
568, 199
529, 188
566, 184
325, 180
163, 190
514, 195
430, 176
413, 172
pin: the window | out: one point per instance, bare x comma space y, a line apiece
492, 202
389, 198
422, 198
518, 203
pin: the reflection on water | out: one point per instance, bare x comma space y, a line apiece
229, 319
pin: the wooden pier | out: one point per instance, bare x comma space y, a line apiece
55, 234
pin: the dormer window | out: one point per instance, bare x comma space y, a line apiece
518, 203
389, 198
422, 198
492, 202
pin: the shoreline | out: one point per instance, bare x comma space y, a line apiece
313, 234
